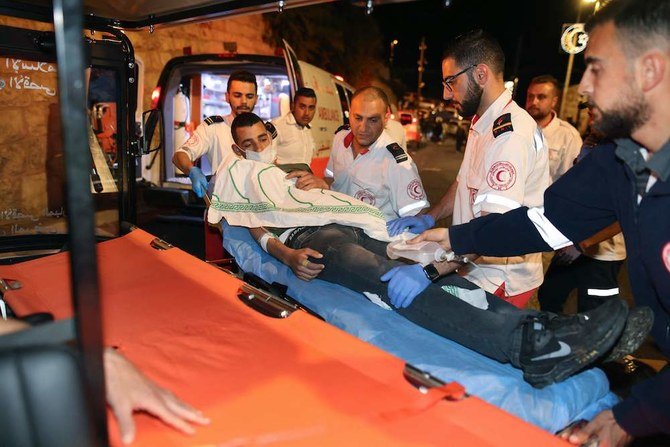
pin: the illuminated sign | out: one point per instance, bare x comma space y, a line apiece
574, 38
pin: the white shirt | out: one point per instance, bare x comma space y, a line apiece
378, 177
294, 142
212, 139
564, 144
504, 167
397, 132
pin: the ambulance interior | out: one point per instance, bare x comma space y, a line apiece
191, 88
190, 97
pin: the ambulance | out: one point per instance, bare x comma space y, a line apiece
192, 88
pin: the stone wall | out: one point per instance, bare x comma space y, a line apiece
30, 152
157, 48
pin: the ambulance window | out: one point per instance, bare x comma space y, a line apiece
344, 102
271, 89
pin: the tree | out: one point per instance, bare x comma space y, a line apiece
338, 37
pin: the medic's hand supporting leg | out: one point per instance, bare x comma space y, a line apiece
405, 283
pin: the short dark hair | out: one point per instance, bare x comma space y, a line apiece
246, 119
547, 79
476, 47
305, 92
638, 23
242, 76
372, 92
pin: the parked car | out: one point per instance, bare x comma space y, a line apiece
410, 123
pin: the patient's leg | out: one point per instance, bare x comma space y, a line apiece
492, 332
546, 347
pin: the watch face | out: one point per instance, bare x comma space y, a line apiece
431, 272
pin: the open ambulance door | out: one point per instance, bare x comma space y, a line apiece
293, 68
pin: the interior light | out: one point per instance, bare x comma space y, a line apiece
155, 96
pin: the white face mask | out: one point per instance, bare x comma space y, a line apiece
269, 155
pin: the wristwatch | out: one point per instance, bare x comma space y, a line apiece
431, 272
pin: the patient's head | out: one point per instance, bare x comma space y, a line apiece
252, 140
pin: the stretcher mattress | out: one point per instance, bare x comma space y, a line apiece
552, 408
295, 381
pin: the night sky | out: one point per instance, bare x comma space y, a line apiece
529, 32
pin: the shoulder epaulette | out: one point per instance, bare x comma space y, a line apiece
271, 129
502, 124
398, 152
343, 127
213, 119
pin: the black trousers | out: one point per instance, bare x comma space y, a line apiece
356, 261
595, 281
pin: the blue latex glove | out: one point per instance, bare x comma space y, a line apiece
198, 181
405, 283
414, 224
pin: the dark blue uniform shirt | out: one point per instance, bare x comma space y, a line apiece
598, 191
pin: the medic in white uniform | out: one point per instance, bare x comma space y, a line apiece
504, 167
212, 139
384, 176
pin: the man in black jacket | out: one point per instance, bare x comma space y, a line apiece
627, 82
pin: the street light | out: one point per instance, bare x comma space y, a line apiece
394, 42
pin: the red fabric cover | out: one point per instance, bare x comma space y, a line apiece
296, 381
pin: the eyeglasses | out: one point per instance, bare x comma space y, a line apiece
449, 79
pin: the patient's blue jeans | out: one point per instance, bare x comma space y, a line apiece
356, 261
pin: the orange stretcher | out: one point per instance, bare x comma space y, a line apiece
262, 381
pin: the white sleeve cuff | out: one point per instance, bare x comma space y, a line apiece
407, 209
187, 151
554, 238
497, 204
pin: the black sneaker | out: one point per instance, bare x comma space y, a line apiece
553, 348
638, 325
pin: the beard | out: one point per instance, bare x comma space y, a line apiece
472, 98
624, 118
537, 114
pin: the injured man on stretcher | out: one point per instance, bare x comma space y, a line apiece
325, 234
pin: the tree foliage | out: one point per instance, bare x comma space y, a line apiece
337, 37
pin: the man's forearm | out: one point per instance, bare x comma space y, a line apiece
182, 161
446, 267
445, 208
501, 235
272, 245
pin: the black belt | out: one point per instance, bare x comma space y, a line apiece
293, 235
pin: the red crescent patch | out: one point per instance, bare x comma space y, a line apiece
414, 190
665, 255
193, 141
365, 196
501, 176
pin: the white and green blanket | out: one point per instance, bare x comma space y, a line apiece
253, 194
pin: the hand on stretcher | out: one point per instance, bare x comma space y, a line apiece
299, 261
602, 431
129, 390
